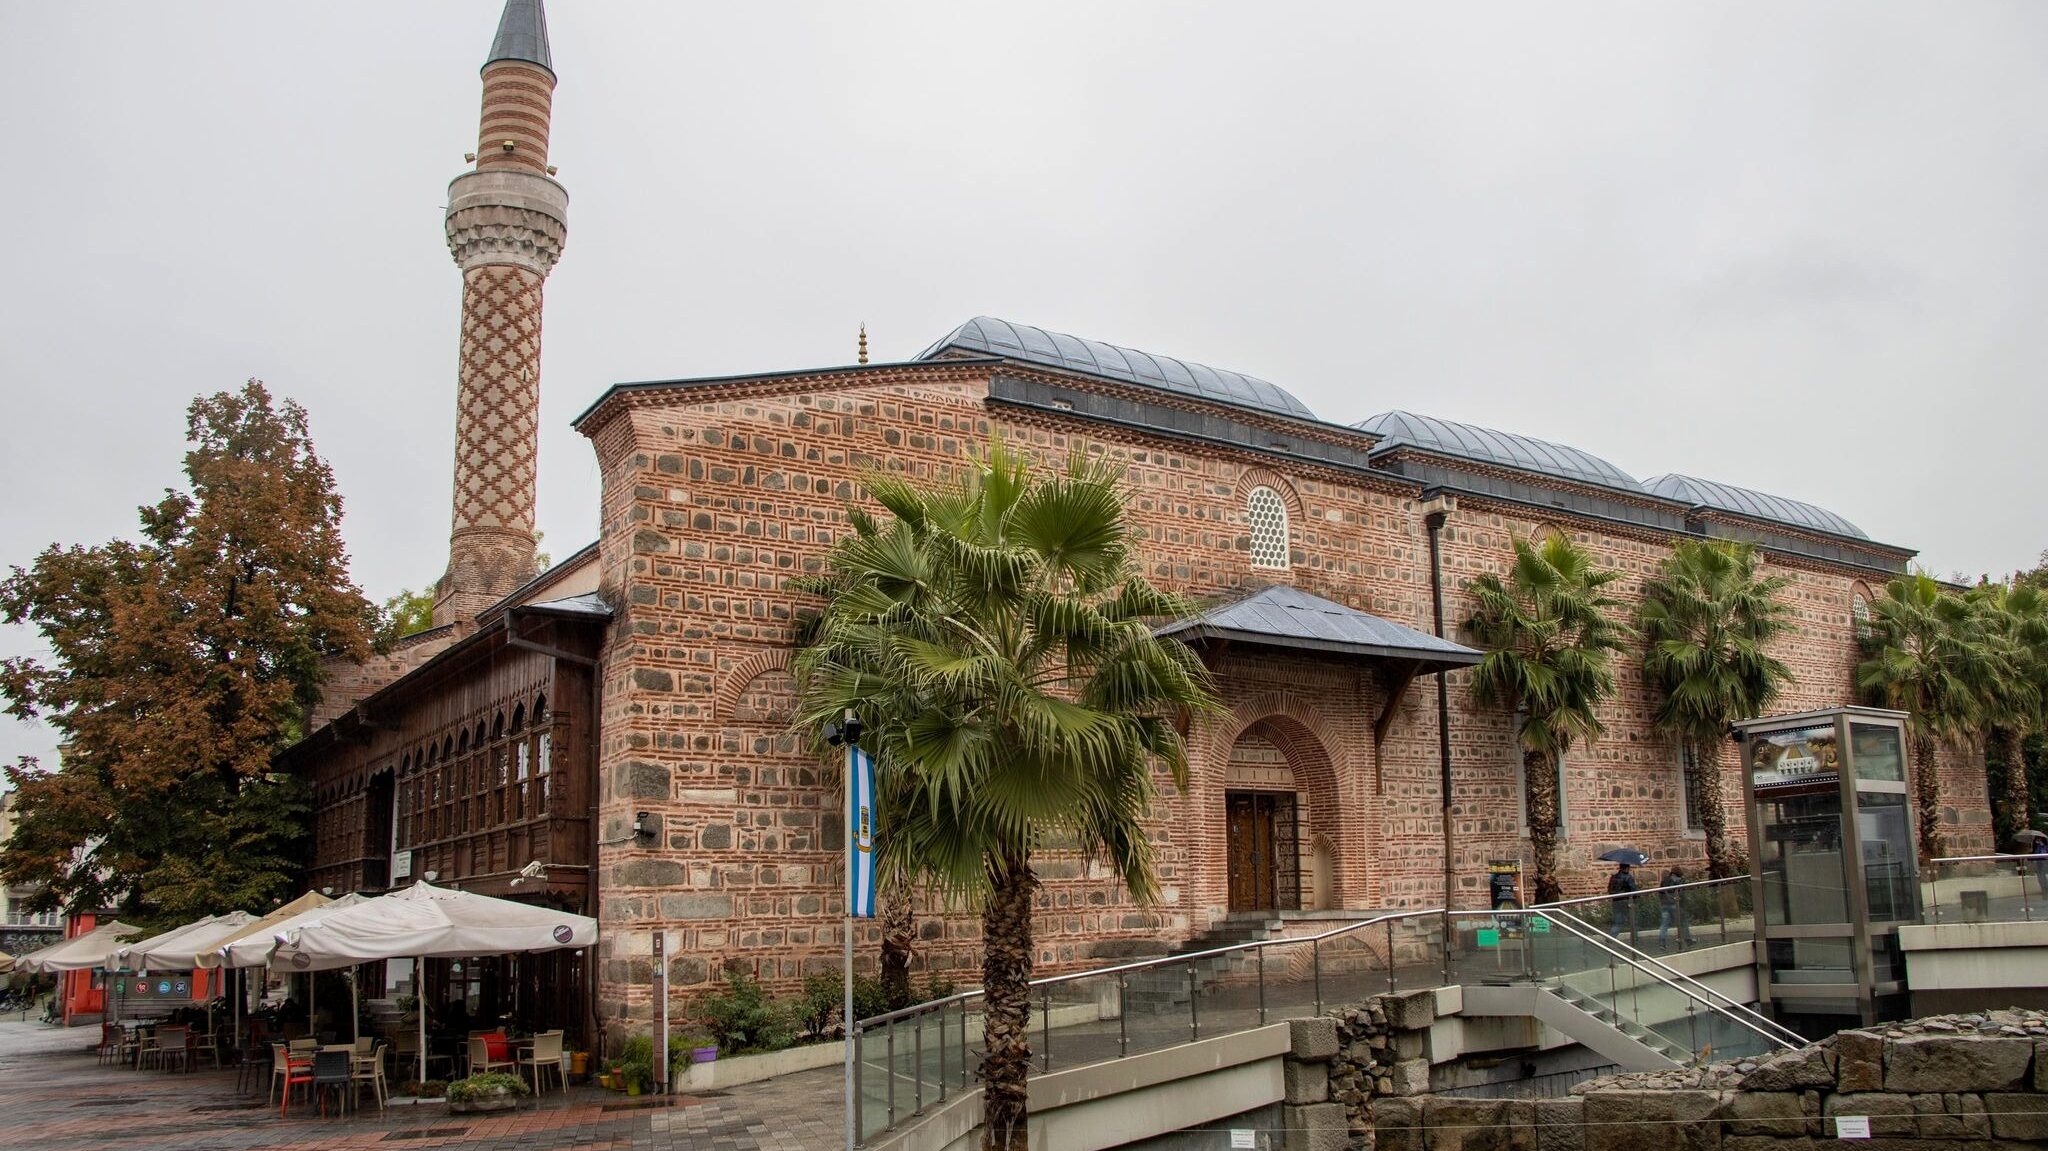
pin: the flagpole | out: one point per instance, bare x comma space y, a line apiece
846, 943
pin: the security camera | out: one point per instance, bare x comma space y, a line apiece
508, 145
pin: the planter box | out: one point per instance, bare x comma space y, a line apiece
495, 1101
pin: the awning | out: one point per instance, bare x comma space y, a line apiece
429, 922
178, 949
252, 944
80, 952
1286, 617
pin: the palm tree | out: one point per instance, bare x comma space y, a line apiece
1708, 617
1550, 632
992, 636
2014, 620
1925, 653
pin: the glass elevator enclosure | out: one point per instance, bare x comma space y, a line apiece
1834, 873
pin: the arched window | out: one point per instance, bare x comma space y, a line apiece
518, 717
1859, 606
540, 710
1268, 513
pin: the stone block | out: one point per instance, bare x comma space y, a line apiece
1560, 1124
636, 780
1942, 1063
1313, 1039
1306, 1082
1792, 1071
2018, 1116
1774, 1113
648, 873
696, 905
1859, 1061
1890, 1115
1680, 1120
1410, 1010
1411, 1077
1951, 1116
1765, 1143
1397, 1124
1315, 1127
1455, 1124
2041, 1064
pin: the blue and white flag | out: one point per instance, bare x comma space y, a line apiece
860, 834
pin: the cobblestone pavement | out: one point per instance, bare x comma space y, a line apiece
56, 1097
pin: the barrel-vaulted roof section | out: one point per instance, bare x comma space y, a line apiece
1485, 445
986, 335
1748, 502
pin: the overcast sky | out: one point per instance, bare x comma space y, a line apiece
1798, 247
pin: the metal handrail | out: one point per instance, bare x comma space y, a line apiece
2002, 858
1641, 892
1727, 1005
886, 1017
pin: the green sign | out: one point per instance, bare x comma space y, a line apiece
1539, 925
1488, 937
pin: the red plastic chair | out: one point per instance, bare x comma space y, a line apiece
296, 1071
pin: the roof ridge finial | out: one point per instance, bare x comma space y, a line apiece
863, 341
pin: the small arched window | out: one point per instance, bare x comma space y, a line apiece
1268, 514
1859, 607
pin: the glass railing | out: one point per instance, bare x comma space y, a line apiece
1643, 996
1984, 889
913, 1059
1670, 920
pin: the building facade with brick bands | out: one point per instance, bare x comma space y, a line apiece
612, 735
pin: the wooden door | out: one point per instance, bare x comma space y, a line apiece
1265, 873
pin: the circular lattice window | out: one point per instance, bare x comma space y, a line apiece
1269, 528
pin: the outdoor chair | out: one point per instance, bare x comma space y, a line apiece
199, 1045
115, 1044
369, 1070
480, 1059
547, 1052
146, 1051
286, 1069
303, 1047
173, 1044
333, 1067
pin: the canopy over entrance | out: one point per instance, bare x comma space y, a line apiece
424, 921
1285, 617
79, 953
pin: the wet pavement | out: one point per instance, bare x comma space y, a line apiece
55, 1096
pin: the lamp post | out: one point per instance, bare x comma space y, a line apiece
859, 804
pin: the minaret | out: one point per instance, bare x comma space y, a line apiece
507, 221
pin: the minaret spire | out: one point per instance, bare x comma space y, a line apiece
863, 342
507, 222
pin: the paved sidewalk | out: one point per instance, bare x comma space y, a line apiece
56, 1097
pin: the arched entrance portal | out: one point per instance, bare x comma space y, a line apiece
1273, 860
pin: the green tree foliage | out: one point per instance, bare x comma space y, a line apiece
1550, 631
992, 633
181, 663
1709, 618
2013, 618
407, 613
1926, 652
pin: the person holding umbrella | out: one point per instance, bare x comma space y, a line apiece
2035, 843
1622, 885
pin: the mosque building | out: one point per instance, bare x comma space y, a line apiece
611, 735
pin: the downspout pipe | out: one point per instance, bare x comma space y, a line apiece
1436, 512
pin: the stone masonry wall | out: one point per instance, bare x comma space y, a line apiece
1951, 1082
715, 495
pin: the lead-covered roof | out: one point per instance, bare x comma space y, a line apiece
1486, 445
1749, 502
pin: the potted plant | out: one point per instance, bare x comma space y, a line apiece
491, 1091
638, 1073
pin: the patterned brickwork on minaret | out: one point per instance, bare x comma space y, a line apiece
507, 221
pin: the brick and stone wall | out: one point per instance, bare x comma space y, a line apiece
716, 493
1959, 1081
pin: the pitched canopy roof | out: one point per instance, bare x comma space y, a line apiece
1485, 445
1748, 502
1280, 616
522, 35
986, 335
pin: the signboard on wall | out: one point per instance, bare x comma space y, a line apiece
401, 864
1778, 758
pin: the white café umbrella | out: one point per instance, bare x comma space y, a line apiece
426, 922
80, 952
251, 944
177, 949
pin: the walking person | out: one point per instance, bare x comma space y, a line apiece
1622, 910
2041, 864
1673, 896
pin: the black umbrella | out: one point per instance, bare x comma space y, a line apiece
1628, 855
2031, 838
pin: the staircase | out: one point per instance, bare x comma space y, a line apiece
1674, 1053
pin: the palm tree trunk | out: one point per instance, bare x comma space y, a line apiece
2014, 815
1006, 982
1539, 773
899, 930
1927, 793
1703, 781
